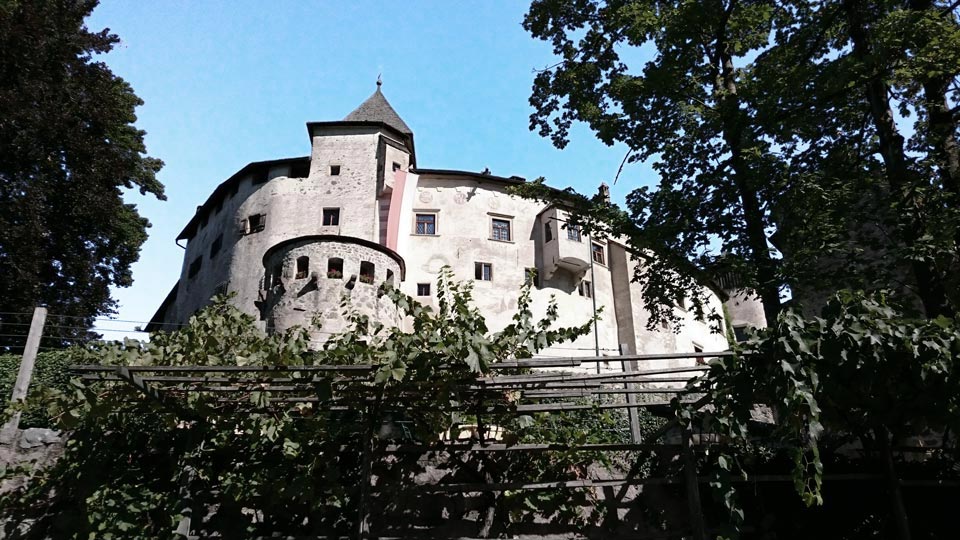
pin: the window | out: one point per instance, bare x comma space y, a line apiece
334, 170
573, 233
216, 245
203, 220
701, 361
234, 189
303, 267
740, 333
585, 289
598, 256
531, 277
483, 271
389, 279
426, 224
547, 232
331, 217
367, 271
423, 289
396, 166
195, 267
260, 176
254, 223
220, 289
335, 268
500, 230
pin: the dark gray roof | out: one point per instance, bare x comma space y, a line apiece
377, 109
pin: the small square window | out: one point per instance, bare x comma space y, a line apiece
423, 289
483, 271
254, 223
740, 333
216, 245
585, 289
426, 224
331, 217
195, 267
334, 170
598, 255
531, 277
573, 233
701, 360
396, 166
500, 230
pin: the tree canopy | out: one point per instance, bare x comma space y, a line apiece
68, 150
798, 145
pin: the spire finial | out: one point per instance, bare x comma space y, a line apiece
379, 82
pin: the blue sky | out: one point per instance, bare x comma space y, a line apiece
227, 83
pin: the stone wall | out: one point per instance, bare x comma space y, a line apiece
319, 295
34, 447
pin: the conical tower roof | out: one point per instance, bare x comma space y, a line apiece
377, 109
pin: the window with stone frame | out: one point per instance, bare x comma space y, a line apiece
423, 289
500, 229
425, 224
573, 233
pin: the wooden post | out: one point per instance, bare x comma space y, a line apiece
632, 412
366, 468
27, 362
893, 485
693, 486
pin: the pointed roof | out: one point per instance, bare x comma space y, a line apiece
377, 109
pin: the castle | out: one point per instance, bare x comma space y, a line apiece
291, 237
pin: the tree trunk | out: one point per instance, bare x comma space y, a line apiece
900, 178
941, 135
898, 508
732, 119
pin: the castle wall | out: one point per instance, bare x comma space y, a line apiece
363, 170
315, 293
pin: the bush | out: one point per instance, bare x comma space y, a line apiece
50, 371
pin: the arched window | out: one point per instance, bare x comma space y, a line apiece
367, 271
303, 267
390, 277
335, 268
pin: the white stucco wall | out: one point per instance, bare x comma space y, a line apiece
464, 205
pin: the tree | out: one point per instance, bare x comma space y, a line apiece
68, 149
770, 124
862, 65
690, 108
